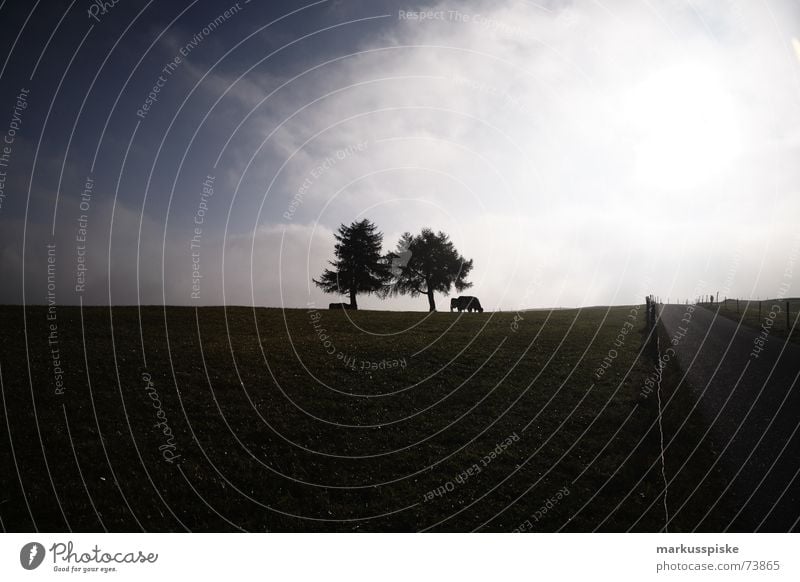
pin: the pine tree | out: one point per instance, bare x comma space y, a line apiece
359, 266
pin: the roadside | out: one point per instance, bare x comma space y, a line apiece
743, 385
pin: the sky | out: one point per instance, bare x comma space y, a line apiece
581, 153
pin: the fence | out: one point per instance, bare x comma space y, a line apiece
783, 312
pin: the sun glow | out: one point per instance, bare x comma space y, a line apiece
685, 125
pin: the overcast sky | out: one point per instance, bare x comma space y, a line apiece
582, 153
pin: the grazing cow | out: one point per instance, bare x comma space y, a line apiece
340, 306
473, 304
466, 303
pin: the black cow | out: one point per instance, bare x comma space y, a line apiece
466, 303
340, 306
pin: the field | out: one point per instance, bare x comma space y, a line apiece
755, 314
217, 419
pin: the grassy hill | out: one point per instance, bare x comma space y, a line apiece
301, 420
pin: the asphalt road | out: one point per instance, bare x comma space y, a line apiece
750, 403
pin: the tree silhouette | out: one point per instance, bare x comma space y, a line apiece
359, 266
430, 264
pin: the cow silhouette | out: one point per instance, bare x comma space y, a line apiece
340, 306
466, 303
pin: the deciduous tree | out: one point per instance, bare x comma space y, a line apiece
431, 265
